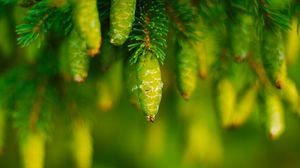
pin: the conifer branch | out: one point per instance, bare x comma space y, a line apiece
259, 70
269, 16
40, 19
28, 3
36, 107
149, 30
295, 11
184, 20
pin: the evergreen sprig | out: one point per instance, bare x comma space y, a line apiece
295, 11
40, 19
183, 20
149, 30
28, 3
31, 94
33, 111
62, 20
268, 16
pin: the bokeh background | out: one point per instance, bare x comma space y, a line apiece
122, 138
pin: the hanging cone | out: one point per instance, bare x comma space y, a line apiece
88, 24
82, 144
149, 85
33, 150
122, 13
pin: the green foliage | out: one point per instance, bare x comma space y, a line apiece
271, 16
40, 19
183, 20
27, 3
149, 30
4, 2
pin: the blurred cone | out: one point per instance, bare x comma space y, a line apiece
82, 144
33, 150
275, 117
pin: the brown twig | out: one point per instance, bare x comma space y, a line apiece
259, 70
36, 107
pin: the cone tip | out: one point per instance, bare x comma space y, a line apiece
117, 41
239, 58
202, 75
150, 118
79, 78
273, 136
93, 52
279, 84
185, 96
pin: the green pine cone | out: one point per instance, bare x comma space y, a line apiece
226, 100
186, 70
82, 144
33, 150
245, 106
275, 116
109, 87
78, 58
273, 56
121, 18
240, 37
291, 95
201, 50
88, 24
149, 85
